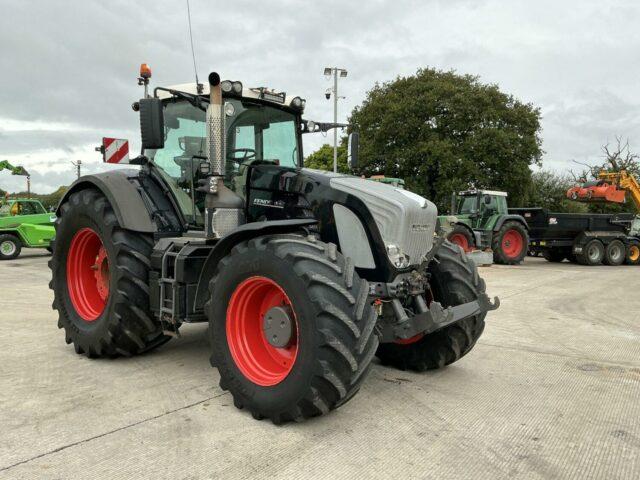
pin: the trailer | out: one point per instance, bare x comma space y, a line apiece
585, 238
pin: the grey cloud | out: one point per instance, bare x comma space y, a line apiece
76, 61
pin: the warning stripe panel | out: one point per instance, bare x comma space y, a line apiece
116, 150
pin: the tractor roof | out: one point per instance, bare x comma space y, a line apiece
482, 192
254, 93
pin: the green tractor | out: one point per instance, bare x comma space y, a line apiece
483, 221
24, 223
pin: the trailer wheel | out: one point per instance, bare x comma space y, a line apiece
615, 253
510, 243
633, 253
454, 280
592, 253
100, 280
10, 246
554, 255
291, 327
462, 237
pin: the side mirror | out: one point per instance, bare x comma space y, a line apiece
487, 199
353, 150
151, 123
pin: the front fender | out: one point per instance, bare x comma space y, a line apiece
242, 234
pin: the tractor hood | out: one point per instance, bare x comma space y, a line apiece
406, 221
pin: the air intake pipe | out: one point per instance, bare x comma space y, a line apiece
224, 210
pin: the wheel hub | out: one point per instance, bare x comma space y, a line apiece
7, 248
262, 331
277, 326
88, 274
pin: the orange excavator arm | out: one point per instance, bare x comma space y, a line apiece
624, 181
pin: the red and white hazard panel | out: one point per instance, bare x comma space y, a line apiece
115, 150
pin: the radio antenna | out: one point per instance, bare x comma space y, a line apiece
193, 53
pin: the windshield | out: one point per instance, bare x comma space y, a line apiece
467, 205
255, 133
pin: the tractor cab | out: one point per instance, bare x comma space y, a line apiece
479, 208
21, 206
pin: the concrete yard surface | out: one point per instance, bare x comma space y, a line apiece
551, 390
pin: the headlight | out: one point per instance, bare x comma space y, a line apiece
226, 86
297, 102
237, 88
229, 109
397, 257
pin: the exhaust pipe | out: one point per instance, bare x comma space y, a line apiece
224, 209
215, 126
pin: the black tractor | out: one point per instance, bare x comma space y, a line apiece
303, 275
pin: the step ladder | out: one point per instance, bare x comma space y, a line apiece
168, 321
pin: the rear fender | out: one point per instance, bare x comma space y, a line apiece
242, 234
508, 218
124, 197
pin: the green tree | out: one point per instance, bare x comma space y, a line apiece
443, 132
548, 190
322, 159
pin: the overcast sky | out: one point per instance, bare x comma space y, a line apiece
68, 68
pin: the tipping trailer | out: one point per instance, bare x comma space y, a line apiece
585, 238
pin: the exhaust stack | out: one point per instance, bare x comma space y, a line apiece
215, 126
224, 209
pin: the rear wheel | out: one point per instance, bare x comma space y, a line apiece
454, 280
510, 243
461, 236
100, 280
633, 253
592, 253
291, 327
10, 247
614, 254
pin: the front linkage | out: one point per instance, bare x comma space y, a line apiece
424, 318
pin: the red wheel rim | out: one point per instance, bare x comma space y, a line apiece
512, 243
88, 274
461, 240
258, 360
409, 341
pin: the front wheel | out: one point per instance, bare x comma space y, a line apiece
461, 236
291, 327
100, 280
633, 253
10, 247
454, 281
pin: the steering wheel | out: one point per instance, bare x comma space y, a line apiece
247, 154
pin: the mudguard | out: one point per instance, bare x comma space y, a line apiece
507, 218
241, 234
123, 196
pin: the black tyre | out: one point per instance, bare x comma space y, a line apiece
554, 255
592, 253
454, 280
615, 253
510, 243
633, 253
461, 236
100, 280
325, 353
10, 246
